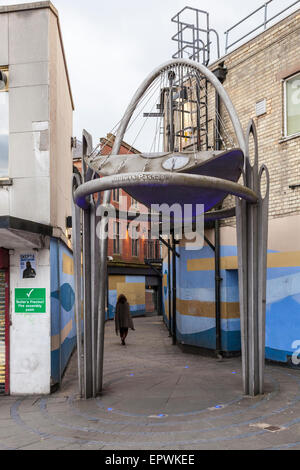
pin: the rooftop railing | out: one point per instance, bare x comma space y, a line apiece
266, 20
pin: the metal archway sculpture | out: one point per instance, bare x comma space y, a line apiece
252, 222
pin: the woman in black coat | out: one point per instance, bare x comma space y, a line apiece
123, 318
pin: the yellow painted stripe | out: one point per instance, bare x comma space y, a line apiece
167, 309
135, 293
205, 264
64, 334
115, 280
68, 265
275, 260
284, 259
196, 308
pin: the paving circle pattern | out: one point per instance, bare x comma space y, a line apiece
157, 397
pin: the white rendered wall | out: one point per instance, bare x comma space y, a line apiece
24, 48
40, 125
30, 359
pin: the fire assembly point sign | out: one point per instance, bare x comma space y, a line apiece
30, 300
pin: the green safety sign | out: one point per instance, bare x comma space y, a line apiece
30, 300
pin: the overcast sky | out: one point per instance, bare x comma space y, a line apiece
112, 45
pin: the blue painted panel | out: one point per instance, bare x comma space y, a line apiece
62, 309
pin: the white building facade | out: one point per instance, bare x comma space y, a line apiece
36, 266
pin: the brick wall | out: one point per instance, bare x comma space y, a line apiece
256, 71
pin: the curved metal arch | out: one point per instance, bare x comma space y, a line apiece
115, 150
173, 179
156, 72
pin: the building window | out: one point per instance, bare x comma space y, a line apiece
135, 247
117, 250
116, 195
4, 123
134, 203
292, 105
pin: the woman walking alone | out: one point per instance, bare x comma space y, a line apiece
123, 318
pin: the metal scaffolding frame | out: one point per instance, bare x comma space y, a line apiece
252, 230
193, 41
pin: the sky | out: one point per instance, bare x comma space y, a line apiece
111, 46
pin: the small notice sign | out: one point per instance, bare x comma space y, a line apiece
27, 267
30, 300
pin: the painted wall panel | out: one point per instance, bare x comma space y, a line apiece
196, 294
63, 321
133, 287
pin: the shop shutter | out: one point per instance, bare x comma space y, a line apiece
3, 332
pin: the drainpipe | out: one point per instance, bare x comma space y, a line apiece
220, 73
218, 281
169, 291
174, 289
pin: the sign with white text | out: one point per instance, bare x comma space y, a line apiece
30, 300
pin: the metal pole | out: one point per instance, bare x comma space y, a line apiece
174, 289
218, 280
226, 42
171, 77
88, 370
262, 277
221, 74
95, 275
169, 292
266, 16
252, 232
102, 300
76, 235
87, 304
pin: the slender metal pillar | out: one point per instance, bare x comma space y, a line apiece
171, 112
169, 291
102, 299
252, 237
218, 281
88, 370
76, 237
174, 290
95, 282
87, 287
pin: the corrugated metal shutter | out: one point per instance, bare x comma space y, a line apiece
3, 332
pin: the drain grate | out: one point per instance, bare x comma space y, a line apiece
273, 428
267, 427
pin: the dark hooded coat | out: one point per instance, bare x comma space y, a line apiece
122, 317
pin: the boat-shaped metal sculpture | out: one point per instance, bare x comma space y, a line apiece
224, 165
182, 177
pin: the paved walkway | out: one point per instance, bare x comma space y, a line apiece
157, 397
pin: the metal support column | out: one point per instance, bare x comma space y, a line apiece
169, 291
174, 290
252, 237
218, 281
87, 347
171, 77
95, 282
76, 238
87, 287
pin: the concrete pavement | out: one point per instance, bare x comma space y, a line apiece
157, 397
